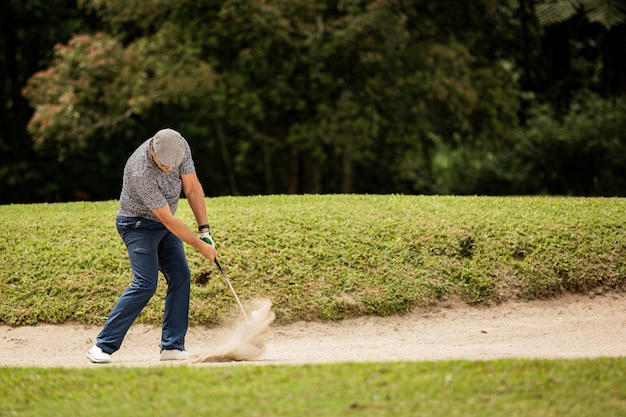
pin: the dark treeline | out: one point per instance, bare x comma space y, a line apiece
316, 96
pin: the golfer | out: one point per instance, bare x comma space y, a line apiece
153, 178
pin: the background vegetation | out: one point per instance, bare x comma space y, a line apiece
321, 257
316, 96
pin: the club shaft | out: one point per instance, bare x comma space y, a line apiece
231, 288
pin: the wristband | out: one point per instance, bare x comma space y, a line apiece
204, 226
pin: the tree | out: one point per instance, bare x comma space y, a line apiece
30, 28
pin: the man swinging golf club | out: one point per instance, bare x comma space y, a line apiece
153, 178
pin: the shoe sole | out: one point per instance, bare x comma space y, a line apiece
96, 360
174, 357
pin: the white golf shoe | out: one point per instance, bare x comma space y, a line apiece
174, 355
96, 355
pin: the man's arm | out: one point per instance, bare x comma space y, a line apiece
178, 228
195, 197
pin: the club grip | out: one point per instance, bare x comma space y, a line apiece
217, 264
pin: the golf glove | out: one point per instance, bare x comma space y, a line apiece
207, 238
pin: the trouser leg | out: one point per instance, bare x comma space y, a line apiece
173, 265
142, 245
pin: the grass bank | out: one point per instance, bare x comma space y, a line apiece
321, 257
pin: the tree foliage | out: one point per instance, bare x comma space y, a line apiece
30, 28
608, 13
313, 87
95, 83
318, 96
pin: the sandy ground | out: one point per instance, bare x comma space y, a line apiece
568, 327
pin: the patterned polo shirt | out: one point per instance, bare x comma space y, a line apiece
145, 187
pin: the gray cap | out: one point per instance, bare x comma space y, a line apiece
169, 147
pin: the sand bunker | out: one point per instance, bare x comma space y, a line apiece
249, 336
570, 326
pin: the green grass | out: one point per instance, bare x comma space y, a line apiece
321, 257
452, 388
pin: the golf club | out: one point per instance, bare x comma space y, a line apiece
231, 288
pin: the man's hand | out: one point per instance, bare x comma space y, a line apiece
208, 251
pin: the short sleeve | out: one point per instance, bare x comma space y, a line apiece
187, 166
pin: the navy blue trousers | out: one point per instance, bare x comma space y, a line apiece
151, 248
